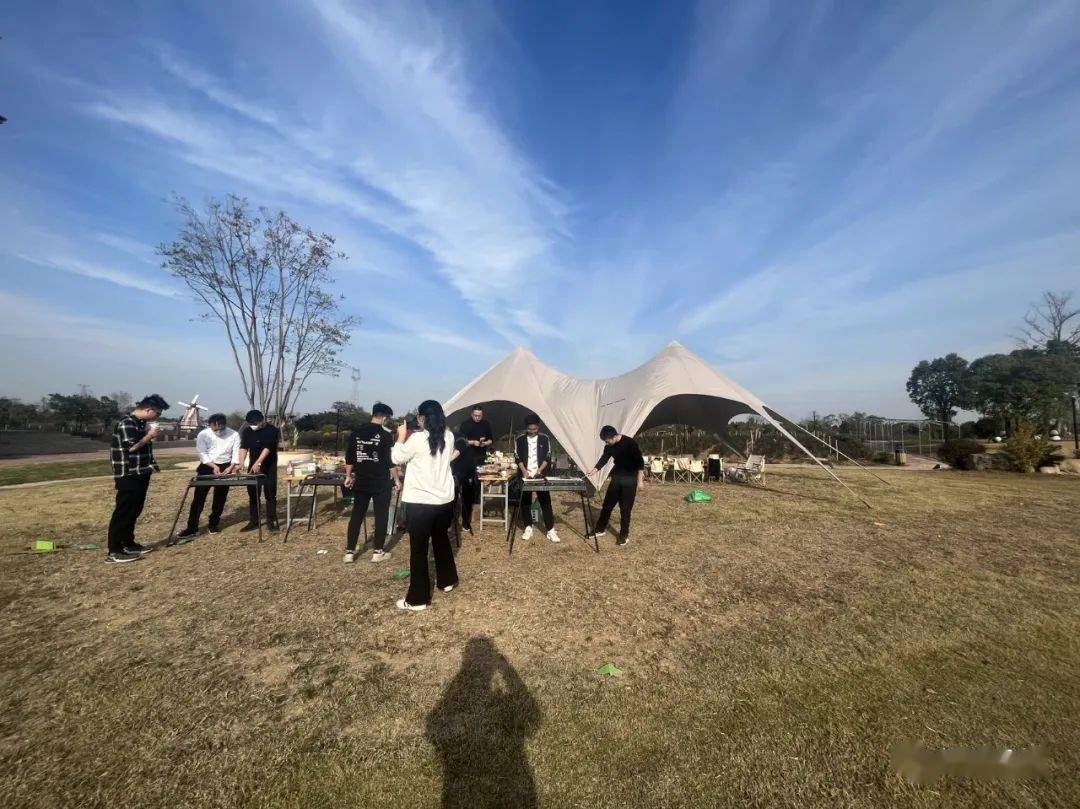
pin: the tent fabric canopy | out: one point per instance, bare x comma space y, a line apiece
674, 387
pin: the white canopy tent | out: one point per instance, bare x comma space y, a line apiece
674, 387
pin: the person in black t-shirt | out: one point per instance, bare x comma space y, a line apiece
368, 472
627, 477
477, 434
465, 480
258, 454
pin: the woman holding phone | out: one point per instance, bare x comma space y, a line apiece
429, 493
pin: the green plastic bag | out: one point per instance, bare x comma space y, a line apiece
698, 496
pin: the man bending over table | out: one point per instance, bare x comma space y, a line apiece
627, 477
259, 444
533, 451
219, 454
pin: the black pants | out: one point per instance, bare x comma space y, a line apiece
429, 523
621, 490
269, 490
361, 498
544, 499
198, 500
468, 491
130, 499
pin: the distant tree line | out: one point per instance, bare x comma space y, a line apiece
1028, 386
78, 413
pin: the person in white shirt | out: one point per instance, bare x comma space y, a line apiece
533, 452
429, 493
219, 454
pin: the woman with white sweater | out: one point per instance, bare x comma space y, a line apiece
429, 491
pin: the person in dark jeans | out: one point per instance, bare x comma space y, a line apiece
218, 448
466, 483
132, 464
372, 478
533, 454
429, 493
627, 477
259, 455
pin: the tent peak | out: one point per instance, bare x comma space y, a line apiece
675, 344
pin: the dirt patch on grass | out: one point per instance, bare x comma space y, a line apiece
774, 643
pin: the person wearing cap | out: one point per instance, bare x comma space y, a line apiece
259, 455
218, 447
533, 454
132, 464
627, 478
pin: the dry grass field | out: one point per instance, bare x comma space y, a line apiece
774, 645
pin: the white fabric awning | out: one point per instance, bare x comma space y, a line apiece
674, 387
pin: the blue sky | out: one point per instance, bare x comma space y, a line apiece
811, 196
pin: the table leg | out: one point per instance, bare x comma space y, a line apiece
169, 539
481, 506
511, 530
288, 528
587, 503
314, 505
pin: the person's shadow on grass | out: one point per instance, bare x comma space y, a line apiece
479, 728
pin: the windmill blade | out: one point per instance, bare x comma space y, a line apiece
200, 407
182, 404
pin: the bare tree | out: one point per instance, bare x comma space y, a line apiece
264, 278
1051, 320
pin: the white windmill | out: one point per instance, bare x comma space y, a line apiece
191, 420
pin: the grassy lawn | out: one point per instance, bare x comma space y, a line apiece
65, 470
775, 643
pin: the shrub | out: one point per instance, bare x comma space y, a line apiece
957, 452
882, 457
1026, 452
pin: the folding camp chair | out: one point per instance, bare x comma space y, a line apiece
657, 469
697, 470
753, 471
681, 470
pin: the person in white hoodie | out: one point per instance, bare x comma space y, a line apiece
429, 493
219, 454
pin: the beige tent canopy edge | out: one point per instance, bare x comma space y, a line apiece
674, 387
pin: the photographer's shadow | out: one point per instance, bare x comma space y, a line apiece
479, 728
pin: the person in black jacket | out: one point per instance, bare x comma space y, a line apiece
533, 454
627, 477
368, 473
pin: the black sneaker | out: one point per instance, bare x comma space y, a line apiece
135, 547
122, 556
188, 533
622, 542
251, 526
214, 529
272, 526
595, 534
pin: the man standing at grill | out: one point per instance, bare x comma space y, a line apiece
132, 463
219, 454
533, 454
259, 452
627, 477
368, 473
478, 437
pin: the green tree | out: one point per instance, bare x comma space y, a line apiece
1026, 385
939, 386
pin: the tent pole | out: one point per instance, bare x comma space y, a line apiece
828, 471
837, 451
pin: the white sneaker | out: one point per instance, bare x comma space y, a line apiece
378, 556
349, 557
553, 536
528, 532
449, 588
402, 605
